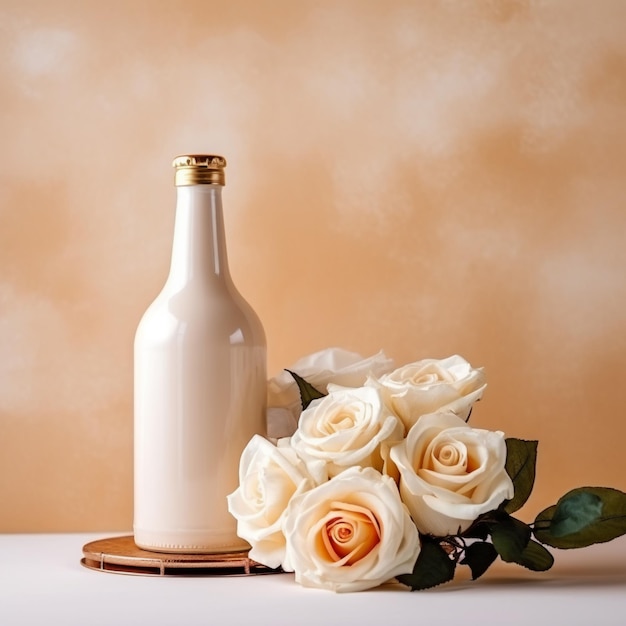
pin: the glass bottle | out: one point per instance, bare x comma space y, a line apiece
199, 380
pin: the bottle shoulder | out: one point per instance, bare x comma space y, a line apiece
194, 298
203, 314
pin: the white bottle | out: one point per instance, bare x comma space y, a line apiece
199, 382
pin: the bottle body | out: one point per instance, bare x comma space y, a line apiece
200, 390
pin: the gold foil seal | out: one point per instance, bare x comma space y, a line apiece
199, 169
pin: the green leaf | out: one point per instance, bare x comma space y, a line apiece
575, 513
478, 530
535, 557
308, 393
433, 567
479, 556
521, 461
510, 538
582, 517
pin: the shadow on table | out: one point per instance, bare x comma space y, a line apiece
568, 575
590, 575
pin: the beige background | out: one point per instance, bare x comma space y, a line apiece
422, 177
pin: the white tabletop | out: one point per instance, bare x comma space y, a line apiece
43, 582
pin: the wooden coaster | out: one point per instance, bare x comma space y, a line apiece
120, 555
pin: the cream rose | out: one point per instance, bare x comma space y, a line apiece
335, 365
269, 476
431, 385
450, 473
350, 533
345, 428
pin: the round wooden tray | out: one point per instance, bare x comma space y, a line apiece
120, 555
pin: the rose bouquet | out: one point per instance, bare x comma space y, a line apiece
374, 474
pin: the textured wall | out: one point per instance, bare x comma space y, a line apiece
421, 177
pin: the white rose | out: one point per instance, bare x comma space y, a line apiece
431, 385
451, 473
346, 428
269, 476
350, 533
335, 365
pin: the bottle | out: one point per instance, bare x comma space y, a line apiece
200, 383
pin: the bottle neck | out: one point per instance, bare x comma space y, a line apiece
199, 247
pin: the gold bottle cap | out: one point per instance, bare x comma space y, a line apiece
199, 169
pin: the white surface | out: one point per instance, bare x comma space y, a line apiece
42, 582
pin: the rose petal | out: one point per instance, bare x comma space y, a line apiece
445, 497
334, 365
269, 476
431, 385
350, 533
345, 428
